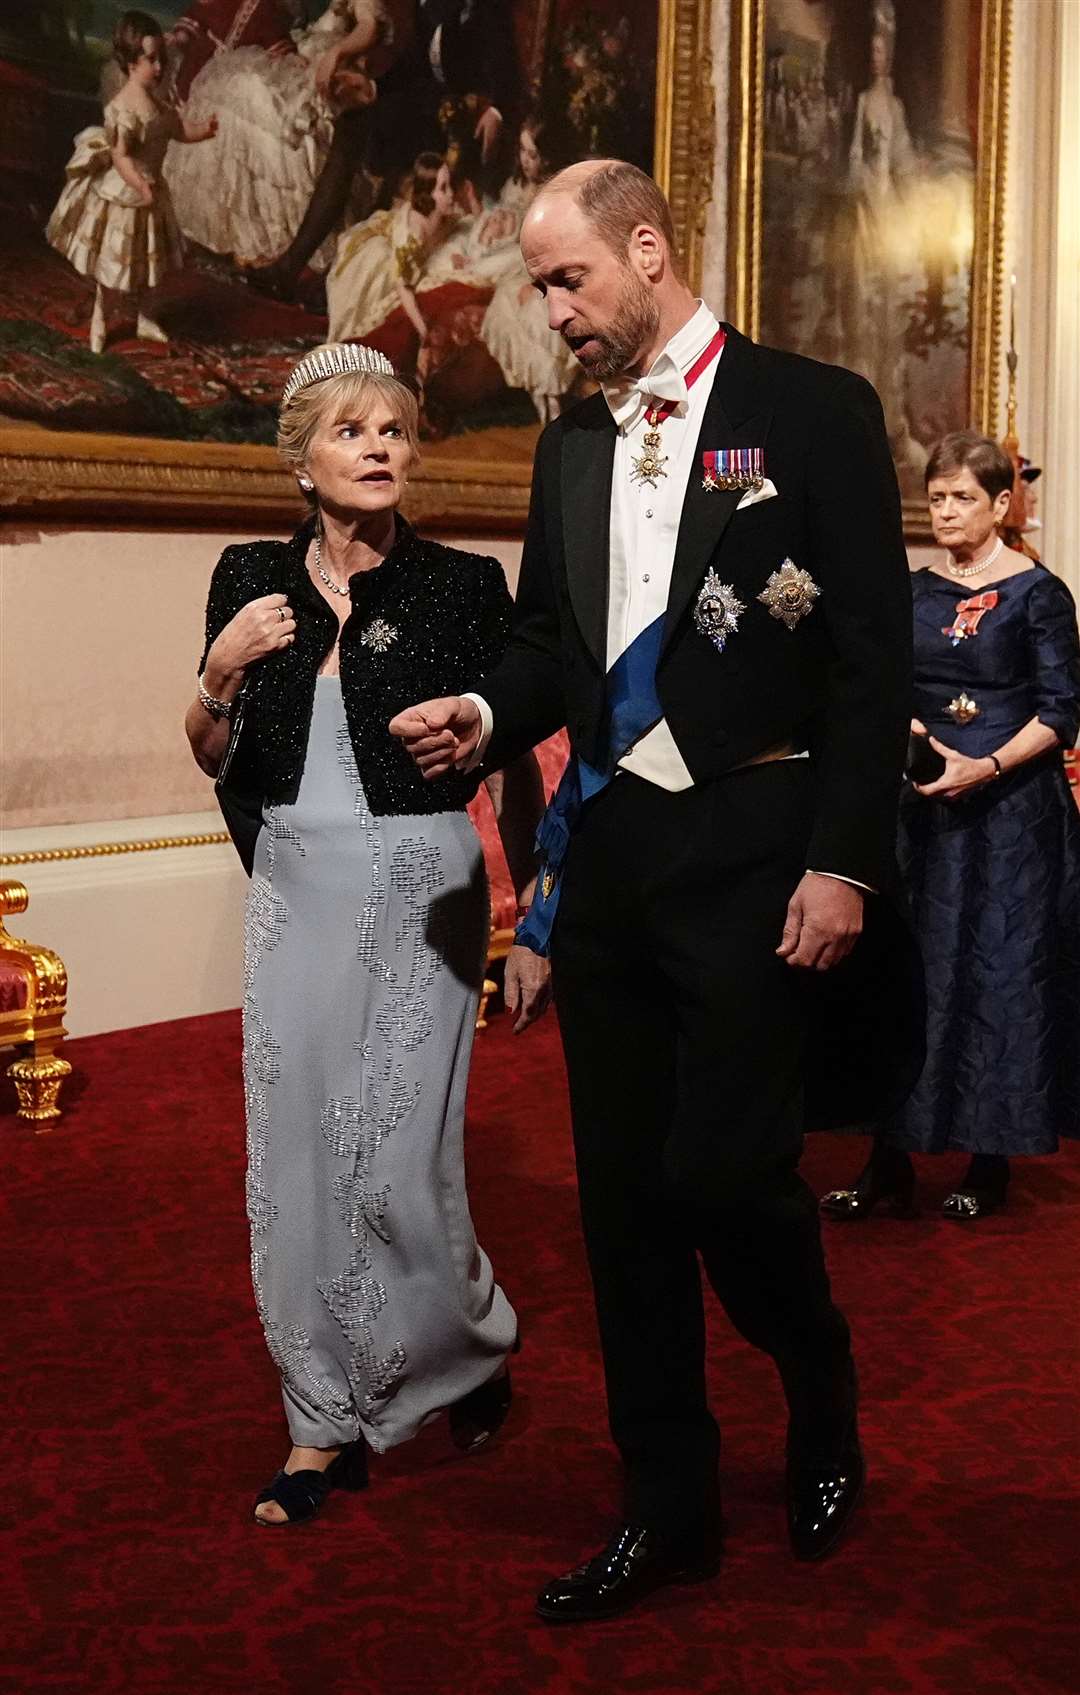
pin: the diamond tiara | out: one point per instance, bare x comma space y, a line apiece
336, 360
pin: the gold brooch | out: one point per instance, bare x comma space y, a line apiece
547, 883
963, 709
649, 465
789, 593
378, 635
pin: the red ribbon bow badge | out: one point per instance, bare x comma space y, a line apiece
968, 614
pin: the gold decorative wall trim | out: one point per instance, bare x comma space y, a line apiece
103, 850
685, 139
105, 477
988, 256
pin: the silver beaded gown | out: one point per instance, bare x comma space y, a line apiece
365, 944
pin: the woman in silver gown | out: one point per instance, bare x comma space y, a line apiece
366, 938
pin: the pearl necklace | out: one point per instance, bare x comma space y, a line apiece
983, 565
335, 588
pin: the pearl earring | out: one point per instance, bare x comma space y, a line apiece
306, 484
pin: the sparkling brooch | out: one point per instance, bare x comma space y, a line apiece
963, 709
718, 610
789, 593
378, 636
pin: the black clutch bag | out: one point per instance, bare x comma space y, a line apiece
238, 794
924, 764
236, 725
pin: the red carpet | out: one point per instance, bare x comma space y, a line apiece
144, 1414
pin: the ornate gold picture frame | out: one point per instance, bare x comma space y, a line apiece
79, 474
866, 183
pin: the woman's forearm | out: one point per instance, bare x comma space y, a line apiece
517, 798
1028, 743
209, 736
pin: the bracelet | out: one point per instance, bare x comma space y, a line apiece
997, 767
217, 709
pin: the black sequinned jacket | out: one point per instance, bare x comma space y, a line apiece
427, 622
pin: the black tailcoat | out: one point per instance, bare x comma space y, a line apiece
839, 683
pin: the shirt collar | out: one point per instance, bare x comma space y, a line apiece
627, 397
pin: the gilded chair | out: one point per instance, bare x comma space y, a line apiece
33, 997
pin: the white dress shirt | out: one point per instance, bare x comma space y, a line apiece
645, 519
644, 526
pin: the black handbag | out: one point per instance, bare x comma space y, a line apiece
236, 726
241, 805
924, 764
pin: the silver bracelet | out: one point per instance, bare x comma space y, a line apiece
217, 709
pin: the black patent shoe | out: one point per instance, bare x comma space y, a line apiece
890, 1188
475, 1419
636, 1562
823, 1491
301, 1494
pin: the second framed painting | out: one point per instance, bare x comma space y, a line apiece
319, 192
867, 162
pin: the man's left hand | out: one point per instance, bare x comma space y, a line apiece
526, 987
824, 921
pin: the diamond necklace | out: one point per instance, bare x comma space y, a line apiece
335, 588
983, 565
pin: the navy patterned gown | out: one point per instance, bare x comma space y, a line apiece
994, 880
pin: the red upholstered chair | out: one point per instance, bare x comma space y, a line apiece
33, 996
552, 755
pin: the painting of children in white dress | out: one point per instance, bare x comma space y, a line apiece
196, 194
868, 196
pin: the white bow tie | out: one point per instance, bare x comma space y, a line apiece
628, 398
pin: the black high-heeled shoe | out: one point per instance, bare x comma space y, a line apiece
475, 1419
984, 1188
890, 1186
301, 1494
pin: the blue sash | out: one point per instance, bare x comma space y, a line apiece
632, 707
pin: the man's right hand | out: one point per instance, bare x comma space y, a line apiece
440, 735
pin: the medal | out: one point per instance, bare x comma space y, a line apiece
648, 466
733, 468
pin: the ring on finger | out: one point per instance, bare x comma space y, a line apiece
281, 613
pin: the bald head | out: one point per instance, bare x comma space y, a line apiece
614, 198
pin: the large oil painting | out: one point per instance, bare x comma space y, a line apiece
351, 170
867, 183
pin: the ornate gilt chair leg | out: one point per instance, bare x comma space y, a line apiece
485, 995
37, 1083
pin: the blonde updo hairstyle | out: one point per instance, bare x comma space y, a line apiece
334, 399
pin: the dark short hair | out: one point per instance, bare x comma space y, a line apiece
426, 167
131, 31
619, 197
966, 450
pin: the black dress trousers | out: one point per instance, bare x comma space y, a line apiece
685, 1038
